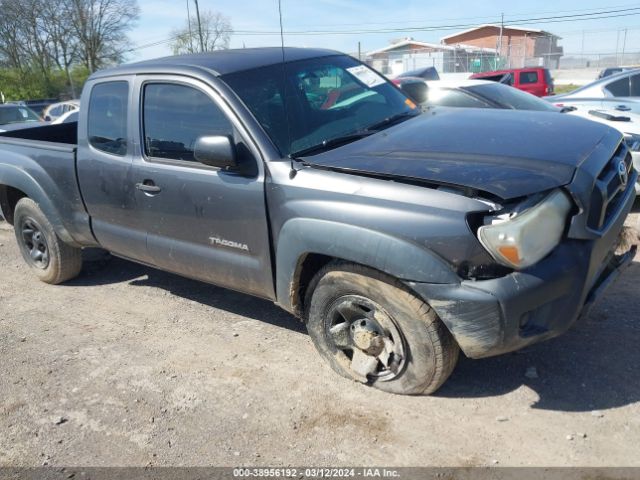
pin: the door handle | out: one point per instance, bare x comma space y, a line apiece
148, 187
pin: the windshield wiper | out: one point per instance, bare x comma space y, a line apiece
392, 120
331, 143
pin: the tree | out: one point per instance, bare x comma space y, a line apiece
100, 27
44, 42
216, 34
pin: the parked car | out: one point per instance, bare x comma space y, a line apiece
14, 116
622, 105
56, 110
426, 73
68, 117
398, 237
39, 105
487, 94
620, 85
536, 81
613, 70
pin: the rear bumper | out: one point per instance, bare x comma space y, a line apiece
490, 317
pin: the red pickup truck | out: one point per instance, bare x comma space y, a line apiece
536, 81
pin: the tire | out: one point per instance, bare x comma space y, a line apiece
418, 352
52, 260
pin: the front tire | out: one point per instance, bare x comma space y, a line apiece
52, 260
370, 328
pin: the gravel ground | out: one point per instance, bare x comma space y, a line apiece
127, 365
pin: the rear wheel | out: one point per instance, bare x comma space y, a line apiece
370, 328
52, 260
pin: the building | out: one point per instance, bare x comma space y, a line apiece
518, 47
409, 54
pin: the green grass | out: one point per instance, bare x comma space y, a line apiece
559, 89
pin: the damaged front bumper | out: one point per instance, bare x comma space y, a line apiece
490, 317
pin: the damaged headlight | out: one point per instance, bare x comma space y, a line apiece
521, 238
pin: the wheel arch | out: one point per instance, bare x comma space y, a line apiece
306, 245
16, 184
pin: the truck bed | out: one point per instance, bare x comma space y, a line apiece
43, 159
63, 134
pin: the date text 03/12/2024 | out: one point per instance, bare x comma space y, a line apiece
315, 472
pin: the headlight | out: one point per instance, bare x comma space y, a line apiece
519, 240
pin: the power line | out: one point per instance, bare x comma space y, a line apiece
551, 19
490, 18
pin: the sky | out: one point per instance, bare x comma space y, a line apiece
596, 36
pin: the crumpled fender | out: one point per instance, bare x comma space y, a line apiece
397, 257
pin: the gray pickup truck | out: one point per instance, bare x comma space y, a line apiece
304, 177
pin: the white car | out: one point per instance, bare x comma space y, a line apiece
621, 105
69, 117
55, 110
488, 94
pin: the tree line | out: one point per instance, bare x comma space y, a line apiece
49, 47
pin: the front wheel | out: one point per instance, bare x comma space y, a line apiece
52, 260
370, 328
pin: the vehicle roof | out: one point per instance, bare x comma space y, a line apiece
222, 62
459, 83
509, 70
65, 102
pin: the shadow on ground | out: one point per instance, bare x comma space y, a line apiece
102, 269
594, 366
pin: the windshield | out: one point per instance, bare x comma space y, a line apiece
509, 97
323, 99
17, 114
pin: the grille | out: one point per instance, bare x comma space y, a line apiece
609, 189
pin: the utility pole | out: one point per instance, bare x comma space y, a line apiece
617, 45
501, 30
199, 26
359, 52
624, 44
189, 25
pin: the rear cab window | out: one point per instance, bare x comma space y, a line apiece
107, 120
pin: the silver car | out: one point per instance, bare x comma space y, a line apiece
621, 85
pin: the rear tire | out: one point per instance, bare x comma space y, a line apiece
52, 260
370, 328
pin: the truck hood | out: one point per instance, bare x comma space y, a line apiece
506, 153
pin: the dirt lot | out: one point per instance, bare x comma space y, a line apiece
127, 365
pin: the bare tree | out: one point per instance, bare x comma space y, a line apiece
216, 34
101, 27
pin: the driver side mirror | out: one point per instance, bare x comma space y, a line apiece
216, 151
416, 91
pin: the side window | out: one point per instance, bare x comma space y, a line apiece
528, 78
107, 122
175, 116
453, 98
619, 88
